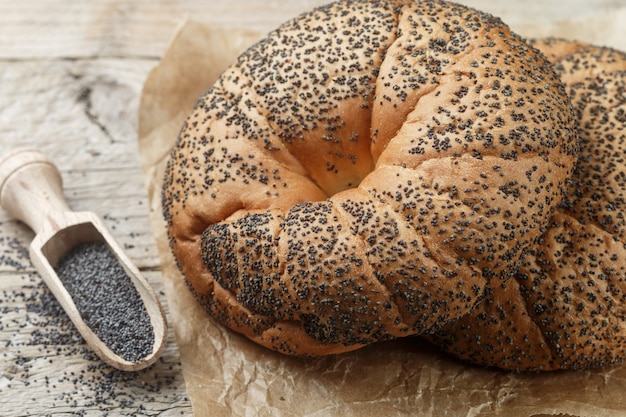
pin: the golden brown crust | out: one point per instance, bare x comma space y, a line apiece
364, 172
565, 308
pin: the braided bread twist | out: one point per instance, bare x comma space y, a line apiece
565, 307
365, 172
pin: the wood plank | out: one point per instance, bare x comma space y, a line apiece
82, 114
117, 28
34, 29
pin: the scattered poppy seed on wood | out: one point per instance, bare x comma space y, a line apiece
45, 356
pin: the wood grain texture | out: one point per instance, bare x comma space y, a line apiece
71, 75
82, 114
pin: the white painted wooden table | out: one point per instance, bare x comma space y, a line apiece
71, 75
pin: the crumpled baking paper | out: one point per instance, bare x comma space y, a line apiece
227, 375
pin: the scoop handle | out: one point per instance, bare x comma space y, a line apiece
31, 188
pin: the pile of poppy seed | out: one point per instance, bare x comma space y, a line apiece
107, 300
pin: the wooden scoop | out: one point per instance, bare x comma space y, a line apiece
31, 191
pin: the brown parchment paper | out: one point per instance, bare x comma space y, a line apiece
226, 375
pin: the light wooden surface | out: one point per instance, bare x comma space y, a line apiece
31, 190
71, 75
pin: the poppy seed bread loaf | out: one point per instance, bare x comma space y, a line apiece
364, 173
565, 309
